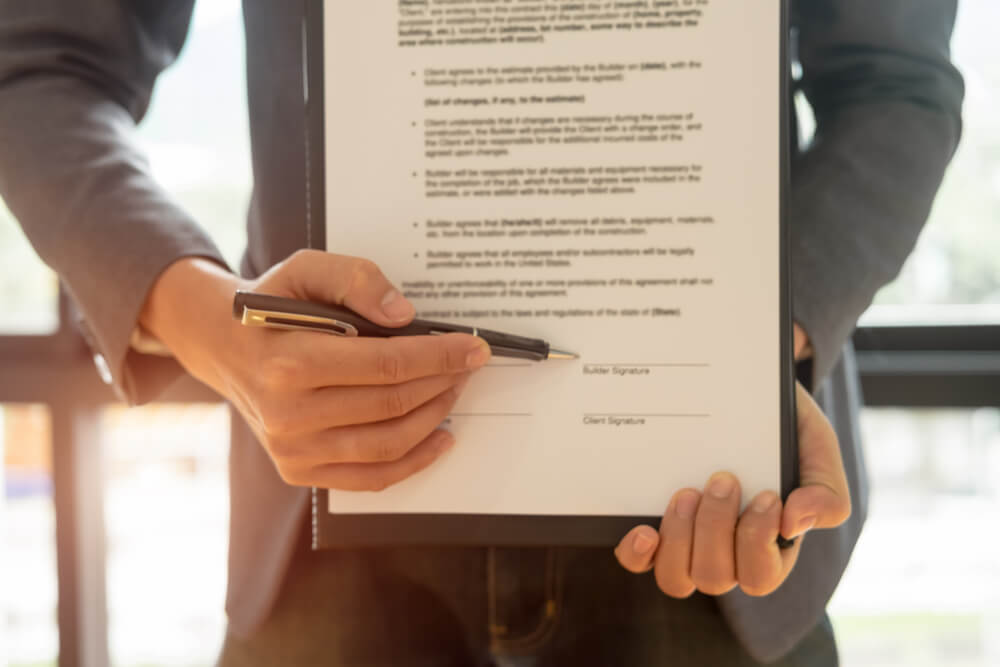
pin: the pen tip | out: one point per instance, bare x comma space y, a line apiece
560, 354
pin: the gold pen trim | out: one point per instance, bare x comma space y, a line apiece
276, 319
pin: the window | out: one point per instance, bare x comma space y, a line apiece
28, 289
27, 519
923, 586
166, 511
196, 133
953, 275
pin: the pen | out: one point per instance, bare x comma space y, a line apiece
262, 310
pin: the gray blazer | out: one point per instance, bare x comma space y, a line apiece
76, 75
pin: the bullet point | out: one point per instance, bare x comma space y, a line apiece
414, 174
415, 224
413, 124
416, 254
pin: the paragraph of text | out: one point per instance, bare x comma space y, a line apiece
569, 181
428, 23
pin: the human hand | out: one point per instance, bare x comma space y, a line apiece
704, 544
333, 412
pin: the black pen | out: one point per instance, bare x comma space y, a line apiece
262, 310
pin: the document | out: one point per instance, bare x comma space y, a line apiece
604, 175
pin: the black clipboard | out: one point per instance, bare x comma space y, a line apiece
335, 530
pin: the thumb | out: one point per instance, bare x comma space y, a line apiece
350, 281
636, 550
822, 499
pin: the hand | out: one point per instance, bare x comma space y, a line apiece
345, 413
705, 545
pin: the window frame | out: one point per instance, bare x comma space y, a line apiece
929, 366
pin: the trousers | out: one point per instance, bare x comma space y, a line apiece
491, 607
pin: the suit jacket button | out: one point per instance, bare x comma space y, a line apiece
102, 367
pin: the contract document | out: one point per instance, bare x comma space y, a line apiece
607, 176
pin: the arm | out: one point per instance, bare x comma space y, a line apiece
75, 77
888, 111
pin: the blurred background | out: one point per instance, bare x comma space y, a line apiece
923, 587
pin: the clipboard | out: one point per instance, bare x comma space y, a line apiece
347, 530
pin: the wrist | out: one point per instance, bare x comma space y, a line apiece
188, 310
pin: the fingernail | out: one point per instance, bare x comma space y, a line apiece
687, 504
722, 486
479, 355
396, 307
804, 525
641, 543
764, 502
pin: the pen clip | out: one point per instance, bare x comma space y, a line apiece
276, 319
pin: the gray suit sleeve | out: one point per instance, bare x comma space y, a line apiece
888, 111
75, 77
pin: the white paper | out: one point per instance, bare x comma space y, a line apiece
687, 91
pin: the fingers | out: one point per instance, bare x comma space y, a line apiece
760, 564
306, 360
378, 476
809, 507
354, 282
385, 441
331, 407
713, 569
673, 559
342, 453
712, 548
350, 413
704, 545
365, 405
303, 359
367, 456
636, 550
823, 499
